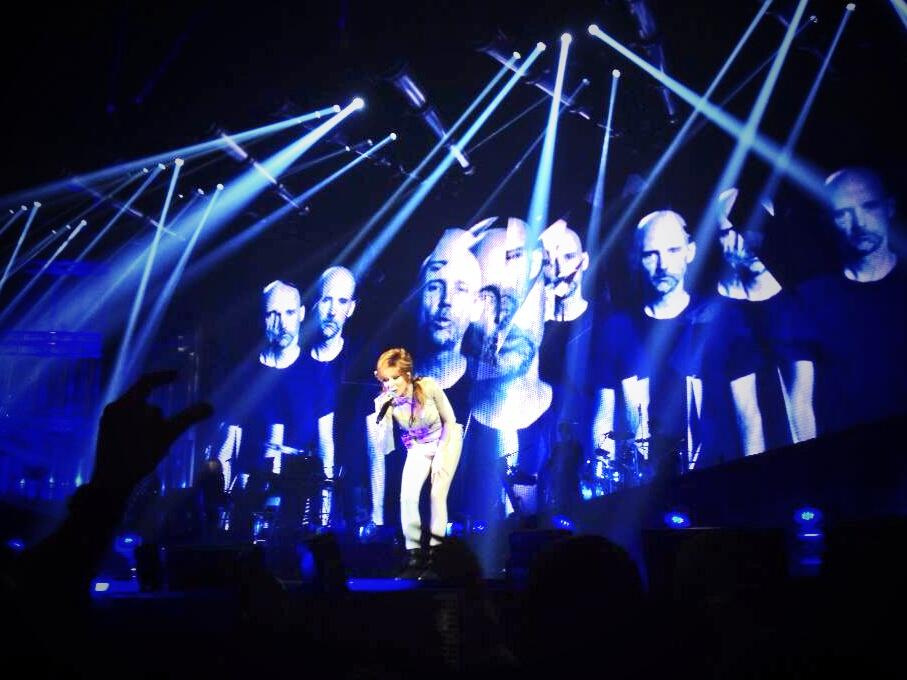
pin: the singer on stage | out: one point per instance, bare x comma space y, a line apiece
433, 441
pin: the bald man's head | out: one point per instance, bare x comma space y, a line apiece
664, 250
283, 313
861, 209
336, 300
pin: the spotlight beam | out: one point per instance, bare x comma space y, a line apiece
390, 230
900, 7
541, 191
22, 293
519, 164
30, 318
241, 191
38, 248
250, 233
31, 217
799, 172
117, 204
116, 380
9, 222
676, 143
529, 109
774, 180
152, 322
295, 169
412, 176
184, 152
710, 218
746, 81
598, 197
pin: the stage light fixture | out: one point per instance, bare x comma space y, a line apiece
220, 187
199, 191
393, 136
566, 38
593, 29
406, 84
808, 516
178, 162
615, 73
851, 6
562, 522
517, 55
16, 544
358, 104
336, 108
676, 519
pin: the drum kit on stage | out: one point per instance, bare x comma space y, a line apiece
284, 502
635, 461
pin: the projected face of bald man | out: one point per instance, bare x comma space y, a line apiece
564, 261
336, 302
665, 252
450, 282
861, 211
283, 314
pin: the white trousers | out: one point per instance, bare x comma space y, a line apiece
416, 470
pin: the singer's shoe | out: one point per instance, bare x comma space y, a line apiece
415, 564
429, 573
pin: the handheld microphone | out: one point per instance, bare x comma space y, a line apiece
383, 410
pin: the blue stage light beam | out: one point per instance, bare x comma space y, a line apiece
191, 151
152, 322
397, 221
413, 176
243, 156
242, 190
768, 191
37, 308
38, 248
541, 190
237, 194
118, 377
31, 218
801, 173
14, 215
529, 109
526, 154
250, 233
50, 238
708, 223
47, 240
598, 196
22, 293
630, 211
899, 6
321, 159
701, 123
